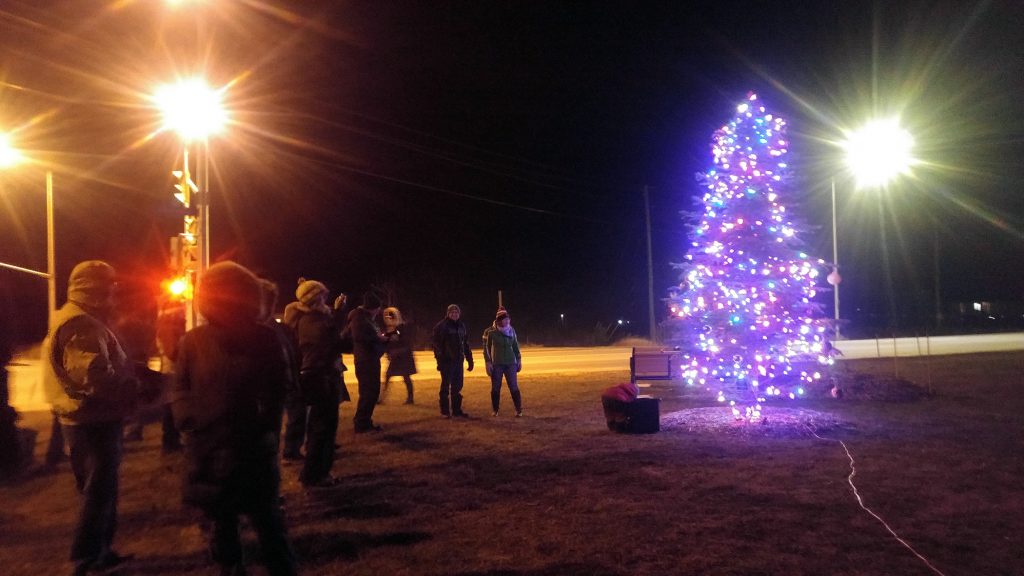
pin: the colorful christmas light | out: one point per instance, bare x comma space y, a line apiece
743, 313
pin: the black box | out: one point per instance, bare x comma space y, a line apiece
645, 415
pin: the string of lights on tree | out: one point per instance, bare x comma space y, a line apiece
744, 314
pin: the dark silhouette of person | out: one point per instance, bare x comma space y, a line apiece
368, 344
228, 400
317, 329
401, 362
450, 349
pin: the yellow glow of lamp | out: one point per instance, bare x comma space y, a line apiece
191, 108
9, 155
177, 287
879, 152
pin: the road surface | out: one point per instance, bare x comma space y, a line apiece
26, 391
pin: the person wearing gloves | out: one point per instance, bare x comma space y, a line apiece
503, 360
317, 329
89, 382
450, 348
228, 397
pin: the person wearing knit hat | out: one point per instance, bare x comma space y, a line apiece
91, 387
450, 349
368, 345
313, 407
503, 360
227, 399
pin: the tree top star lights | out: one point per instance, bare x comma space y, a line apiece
743, 313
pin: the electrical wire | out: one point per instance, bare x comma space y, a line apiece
860, 501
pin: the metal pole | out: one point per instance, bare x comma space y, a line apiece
650, 270
51, 264
835, 256
204, 208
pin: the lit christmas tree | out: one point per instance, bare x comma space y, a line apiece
743, 313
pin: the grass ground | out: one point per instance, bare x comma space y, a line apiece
556, 493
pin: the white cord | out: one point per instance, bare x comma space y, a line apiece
849, 479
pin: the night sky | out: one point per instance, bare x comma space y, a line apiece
442, 151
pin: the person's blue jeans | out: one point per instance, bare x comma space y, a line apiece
451, 387
508, 371
95, 460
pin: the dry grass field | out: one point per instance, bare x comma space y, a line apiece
556, 493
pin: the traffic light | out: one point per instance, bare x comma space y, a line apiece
189, 244
185, 186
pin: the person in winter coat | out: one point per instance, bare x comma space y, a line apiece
170, 327
88, 380
503, 359
317, 329
368, 345
399, 350
228, 399
450, 348
285, 336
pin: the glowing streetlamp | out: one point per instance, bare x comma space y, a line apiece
195, 111
9, 157
875, 154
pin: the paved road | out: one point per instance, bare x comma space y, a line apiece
26, 393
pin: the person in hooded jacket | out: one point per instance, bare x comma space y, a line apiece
228, 399
399, 350
450, 349
503, 359
317, 329
368, 344
89, 383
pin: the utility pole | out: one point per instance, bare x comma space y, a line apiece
650, 269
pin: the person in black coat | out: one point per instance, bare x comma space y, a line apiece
321, 381
399, 350
450, 348
368, 344
227, 399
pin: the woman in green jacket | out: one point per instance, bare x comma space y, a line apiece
502, 357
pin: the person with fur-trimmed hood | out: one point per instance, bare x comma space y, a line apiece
89, 382
227, 399
503, 359
321, 389
399, 350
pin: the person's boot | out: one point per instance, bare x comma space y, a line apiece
517, 400
495, 402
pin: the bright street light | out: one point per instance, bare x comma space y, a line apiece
191, 108
879, 152
9, 157
195, 112
875, 154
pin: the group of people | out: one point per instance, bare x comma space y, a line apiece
236, 377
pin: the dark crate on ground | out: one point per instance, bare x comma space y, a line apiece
645, 415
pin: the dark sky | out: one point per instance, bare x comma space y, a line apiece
446, 150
